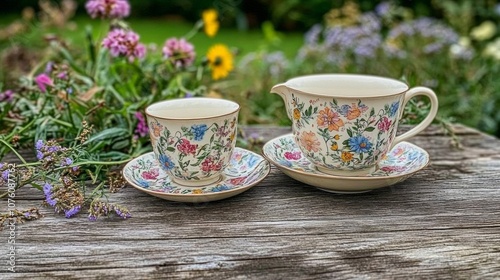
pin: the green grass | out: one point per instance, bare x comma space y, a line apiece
158, 30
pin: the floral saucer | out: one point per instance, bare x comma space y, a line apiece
399, 164
245, 170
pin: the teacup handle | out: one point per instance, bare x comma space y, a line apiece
427, 121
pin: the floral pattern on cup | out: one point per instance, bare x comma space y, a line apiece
346, 136
245, 168
201, 144
403, 159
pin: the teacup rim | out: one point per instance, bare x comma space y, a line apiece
375, 96
149, 114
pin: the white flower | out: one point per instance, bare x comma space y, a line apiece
493, 49
484, 31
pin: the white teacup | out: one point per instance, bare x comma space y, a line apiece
193, 138
345, 124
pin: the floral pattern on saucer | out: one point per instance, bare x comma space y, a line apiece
245, 170
397, 165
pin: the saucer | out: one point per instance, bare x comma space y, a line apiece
398, 165
245, 170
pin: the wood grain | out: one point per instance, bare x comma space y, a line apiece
443, 222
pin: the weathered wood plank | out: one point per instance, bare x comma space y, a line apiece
443, 222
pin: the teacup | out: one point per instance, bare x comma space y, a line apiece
345, 124
193, 138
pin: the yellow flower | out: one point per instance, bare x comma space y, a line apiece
210, 22
346, 156
336, 137
220, 61
296, 114
197, 191
484, 31
334, 147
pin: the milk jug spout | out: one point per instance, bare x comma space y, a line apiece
282, 90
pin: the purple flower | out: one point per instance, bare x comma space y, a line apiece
39, 155
312, 36
67, 161
277, 62
124, 43
49, 67
53, 149
434, 35
47, 189
179, 51
43, 81
108, 8
122, 214
73, 211
5, 175
383, 9
50, 201
141, 128
7, 95
92, 218
39, 145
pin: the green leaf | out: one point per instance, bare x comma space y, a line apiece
121, 144
110, 133
370, 129
114, 155
349, 131
171, 149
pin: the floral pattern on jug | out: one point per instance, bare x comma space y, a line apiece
191, 147
369, 130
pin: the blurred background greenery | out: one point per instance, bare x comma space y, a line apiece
450, 46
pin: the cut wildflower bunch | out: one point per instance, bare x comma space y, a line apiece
81, 111
61, 173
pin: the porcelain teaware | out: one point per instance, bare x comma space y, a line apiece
193, 138
346, 123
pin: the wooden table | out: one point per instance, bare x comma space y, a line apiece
444, 222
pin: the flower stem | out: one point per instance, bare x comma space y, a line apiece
99, 163
194, 30
13, 150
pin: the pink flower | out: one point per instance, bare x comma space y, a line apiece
179, 51
384, 124
151, 174
124, 43
108, 8
209, 165
292, 155
42, 81
186, 148
237, 181
142, 128
7, 95
394, 168
63, 75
